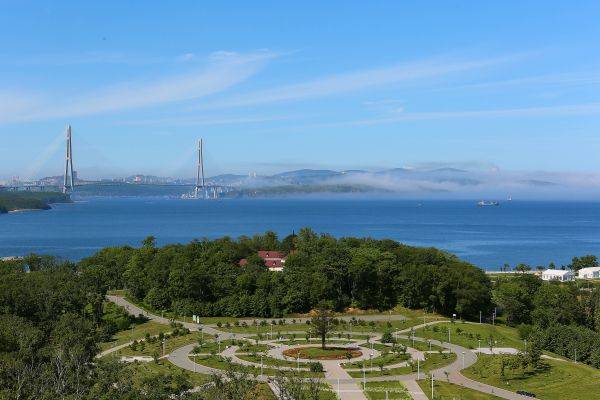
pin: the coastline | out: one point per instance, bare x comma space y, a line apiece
26, 209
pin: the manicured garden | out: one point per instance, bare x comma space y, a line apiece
318, 353
432, 361
448, 391
553, 380
377, 391
470, 335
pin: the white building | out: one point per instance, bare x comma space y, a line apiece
589, 273
561, 275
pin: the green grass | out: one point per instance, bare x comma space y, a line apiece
466, 334
211, 345
396, 391
388, 359
148, 349
433, 361
141, 370
270, 361
222, 363
421, 346
556, 381
448, 391
139, 332
253, 348
328, 353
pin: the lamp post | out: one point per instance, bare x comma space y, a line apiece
418, 368
364, 377
463, 360
479, 345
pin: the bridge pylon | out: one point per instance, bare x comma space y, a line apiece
68, 181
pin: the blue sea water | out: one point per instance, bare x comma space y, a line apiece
531, 232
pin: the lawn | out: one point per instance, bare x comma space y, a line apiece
388, 359
224, 364
138, 371
433, 361
395, 391
318, 353
557, 381
246, 347
313, 341
149, 349
270, 361
466, 334
449, 391
418, 345
139, 332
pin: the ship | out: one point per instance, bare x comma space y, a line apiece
484, 203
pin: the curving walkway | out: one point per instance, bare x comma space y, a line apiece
349, 388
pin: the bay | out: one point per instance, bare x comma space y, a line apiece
532, 232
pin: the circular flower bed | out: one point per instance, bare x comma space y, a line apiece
317, 353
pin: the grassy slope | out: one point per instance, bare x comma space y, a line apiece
449, 391
560, 380
504, 335
11, 201
139, 332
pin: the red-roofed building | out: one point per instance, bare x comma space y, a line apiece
274, 260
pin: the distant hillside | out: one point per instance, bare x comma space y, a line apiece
13, 201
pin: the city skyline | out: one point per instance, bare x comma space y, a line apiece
484, 89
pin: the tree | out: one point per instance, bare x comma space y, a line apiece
321, 323
588, 261
522, 268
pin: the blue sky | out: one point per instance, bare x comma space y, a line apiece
271, 86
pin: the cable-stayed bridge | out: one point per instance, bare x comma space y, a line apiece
201, 189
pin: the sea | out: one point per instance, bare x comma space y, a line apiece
531, 232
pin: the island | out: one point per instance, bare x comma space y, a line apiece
19, 201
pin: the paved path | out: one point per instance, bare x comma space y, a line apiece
302, 320
135, 310
349, 388
342, 383
414, 390
112, 349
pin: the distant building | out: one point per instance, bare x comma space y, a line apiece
274, 260
561, 275
589, 273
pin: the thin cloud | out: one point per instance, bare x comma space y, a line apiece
548, 111
222, 71
554, 80
200, 121
356, 81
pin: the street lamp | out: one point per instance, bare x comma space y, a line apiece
463, 359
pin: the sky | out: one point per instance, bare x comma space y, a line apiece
275, 86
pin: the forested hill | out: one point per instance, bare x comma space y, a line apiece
205, 278
12, 201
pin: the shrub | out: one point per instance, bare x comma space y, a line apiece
315, 367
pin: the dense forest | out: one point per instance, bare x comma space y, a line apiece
11, 201
561, 318
204, 277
